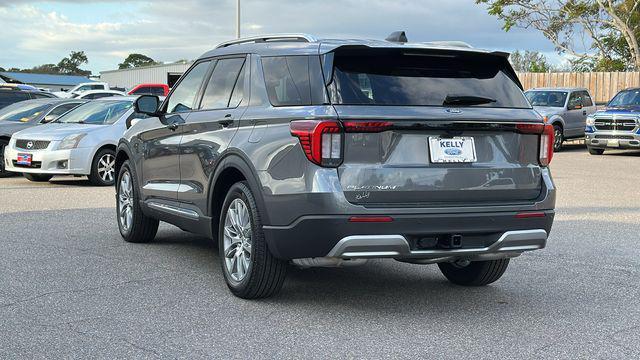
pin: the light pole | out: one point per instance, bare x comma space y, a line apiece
238, 19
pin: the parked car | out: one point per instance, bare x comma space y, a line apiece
326, 153
26, 114
81, 142
9, 94
98, 94
617, 126
150, 89
82, 87
564, 108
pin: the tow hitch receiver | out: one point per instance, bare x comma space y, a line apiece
452, 241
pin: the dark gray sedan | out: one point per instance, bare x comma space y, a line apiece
25, 114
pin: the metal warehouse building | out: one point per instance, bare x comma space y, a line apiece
158, 74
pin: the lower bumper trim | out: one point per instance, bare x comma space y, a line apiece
397, 246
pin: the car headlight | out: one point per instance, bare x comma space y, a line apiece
71, 141
591, 121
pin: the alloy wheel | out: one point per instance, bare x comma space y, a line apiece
237, 240
106, 167
125, 201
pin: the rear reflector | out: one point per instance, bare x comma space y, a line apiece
526, 215
366, 126
370, 219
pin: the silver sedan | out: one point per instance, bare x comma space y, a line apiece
81, 142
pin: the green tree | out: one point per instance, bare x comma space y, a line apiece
136, 60
529, 61
609, 28
71, 64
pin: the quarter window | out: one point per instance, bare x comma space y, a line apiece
221, 84
183, 97
586, 99
287, 80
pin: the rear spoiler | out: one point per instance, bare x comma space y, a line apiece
327, 59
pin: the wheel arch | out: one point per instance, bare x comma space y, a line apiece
122, 154
234, 167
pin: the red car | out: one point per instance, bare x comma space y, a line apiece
150, 89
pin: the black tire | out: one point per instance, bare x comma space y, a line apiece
3, 172
265, 274
103, 168
477, 273
37, 177
595, 151
142, 228
558, 137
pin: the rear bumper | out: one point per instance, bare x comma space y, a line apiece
500, 234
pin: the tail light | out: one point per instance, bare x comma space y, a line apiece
547, 138
321, 141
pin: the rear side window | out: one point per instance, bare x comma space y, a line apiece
287, 80
221, 83
586, 99
10, 97
393, 77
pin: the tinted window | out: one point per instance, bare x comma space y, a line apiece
183, 97
41, 96
575, 99
392, 77
547, 98
238, 90
142, 90
586, 99
97, 112
23, 111
63, 109
98, 95
287, 80
10, 97
626, 98
221, 83
156, 91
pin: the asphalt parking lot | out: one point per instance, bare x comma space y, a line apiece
70, 287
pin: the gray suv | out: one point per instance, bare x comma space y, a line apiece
288, 149
564, 108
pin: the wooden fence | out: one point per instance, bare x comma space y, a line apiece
602, 85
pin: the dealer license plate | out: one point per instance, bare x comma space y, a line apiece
459, 149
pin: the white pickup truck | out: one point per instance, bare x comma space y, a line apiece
82, 87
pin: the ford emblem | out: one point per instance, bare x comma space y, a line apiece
29, 144
453, 151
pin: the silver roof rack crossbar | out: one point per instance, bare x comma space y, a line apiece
266, 38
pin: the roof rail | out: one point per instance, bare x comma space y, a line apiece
448, 43
272, 37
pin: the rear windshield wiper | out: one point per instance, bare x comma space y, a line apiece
467, 100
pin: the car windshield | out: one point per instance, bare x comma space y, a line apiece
97, 112
626, 98
24, 111
388, 77
547, 98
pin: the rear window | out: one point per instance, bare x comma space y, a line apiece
392, 77
547, 98
23, 111
11, 96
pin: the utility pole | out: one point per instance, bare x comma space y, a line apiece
238, 19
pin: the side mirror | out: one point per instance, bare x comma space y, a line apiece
49, 118
147, 104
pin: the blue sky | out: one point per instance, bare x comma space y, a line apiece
38, 32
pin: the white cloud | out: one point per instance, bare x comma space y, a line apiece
170, 30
